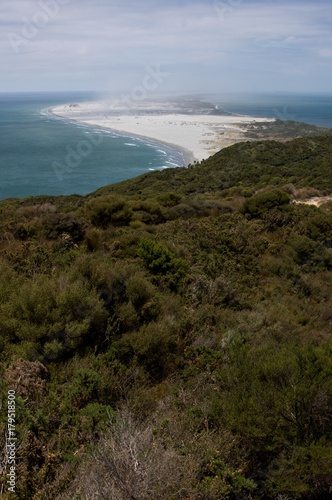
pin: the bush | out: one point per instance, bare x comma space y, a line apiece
84, 388
169, 199
320, 228
160, 261
148, 211
28, 230
54, 312
93, 239
106, 210
310, 253
56, 225
139, 291
154, 346
276, 396
130, 462
264, 201
303, 470
217, 480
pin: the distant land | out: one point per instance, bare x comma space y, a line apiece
195, 126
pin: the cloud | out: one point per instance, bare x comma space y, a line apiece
105, 43
326, 53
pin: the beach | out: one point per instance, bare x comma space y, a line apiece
196, 135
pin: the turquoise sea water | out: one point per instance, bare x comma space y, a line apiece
39, 154
44, 155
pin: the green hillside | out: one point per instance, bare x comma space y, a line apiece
304, 162
169, 337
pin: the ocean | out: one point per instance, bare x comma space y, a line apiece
41, 155
315, 109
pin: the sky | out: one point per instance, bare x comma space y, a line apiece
159, 46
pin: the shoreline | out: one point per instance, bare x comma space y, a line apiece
187, 155
194, 136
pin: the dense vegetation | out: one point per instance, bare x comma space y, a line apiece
169, 337
281, 129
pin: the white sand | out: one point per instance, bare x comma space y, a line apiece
197, 136
316, 200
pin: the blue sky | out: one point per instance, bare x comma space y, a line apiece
197, 46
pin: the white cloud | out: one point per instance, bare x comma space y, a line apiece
326, 53
107, 38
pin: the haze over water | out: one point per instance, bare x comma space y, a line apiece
31, 142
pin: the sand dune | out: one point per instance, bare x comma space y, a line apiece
197, 136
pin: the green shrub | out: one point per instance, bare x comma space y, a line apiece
273, 396
128, 317
169, 199
264, 201
84, 388
58, 224
303, 470
106, 210
28, 230
55, 312
139, 291
320, 228
217, 480
94, 416
148, 211
154, 346
160, 261
310, 253
93, 239
9, 281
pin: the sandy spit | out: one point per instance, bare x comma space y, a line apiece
196, 136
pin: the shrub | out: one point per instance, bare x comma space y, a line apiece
94, 415
106, 210
264, 201
84, 388
148, 211
93, 239
310, 253
129, 462
320, 228
276, 396
139, 291
303, 470
56, 225
54, 312
180, 211
154, 346
128, 317
217, 480
28, 230
160, 261
169, 199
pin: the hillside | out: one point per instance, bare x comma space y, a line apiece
169, 337
304, 162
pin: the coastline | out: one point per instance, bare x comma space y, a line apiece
195, 136
187, 155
